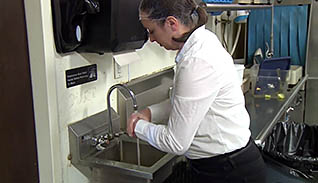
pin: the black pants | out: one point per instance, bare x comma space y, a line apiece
245, 165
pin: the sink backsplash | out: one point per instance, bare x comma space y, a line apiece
79, 133
148, 90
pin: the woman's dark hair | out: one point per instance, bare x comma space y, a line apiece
187, 11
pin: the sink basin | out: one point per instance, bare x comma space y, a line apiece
119, 162
125, 150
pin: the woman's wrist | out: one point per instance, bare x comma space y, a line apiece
146, 113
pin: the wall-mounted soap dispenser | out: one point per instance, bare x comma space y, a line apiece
97, 26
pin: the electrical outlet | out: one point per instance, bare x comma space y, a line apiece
117, 71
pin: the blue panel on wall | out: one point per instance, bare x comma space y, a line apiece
290, 32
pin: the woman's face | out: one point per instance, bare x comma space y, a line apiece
161, 33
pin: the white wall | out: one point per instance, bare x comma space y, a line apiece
56, 106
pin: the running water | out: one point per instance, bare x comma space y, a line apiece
138, 152
138, 148
121, 150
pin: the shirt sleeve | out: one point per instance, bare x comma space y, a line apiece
196, 86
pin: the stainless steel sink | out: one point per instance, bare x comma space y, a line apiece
117, 163
120, 158
125, 150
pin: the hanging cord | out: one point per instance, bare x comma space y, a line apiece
223, 33
224, 29
241, 17
236, 39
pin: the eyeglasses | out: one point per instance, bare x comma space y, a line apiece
151, 19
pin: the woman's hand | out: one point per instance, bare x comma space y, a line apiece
133, 119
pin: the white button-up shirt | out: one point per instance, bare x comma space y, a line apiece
207, 114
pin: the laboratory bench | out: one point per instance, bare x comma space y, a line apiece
264, 114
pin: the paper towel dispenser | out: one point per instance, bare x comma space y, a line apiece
97, 26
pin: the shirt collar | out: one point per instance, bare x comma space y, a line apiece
188, 44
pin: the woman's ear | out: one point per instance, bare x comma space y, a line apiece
172, 22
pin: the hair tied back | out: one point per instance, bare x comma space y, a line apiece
194, 15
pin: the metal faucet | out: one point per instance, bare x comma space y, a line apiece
132, 95
99, 141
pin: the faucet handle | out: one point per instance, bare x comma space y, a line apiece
100, 147
104, 139
93, 140
99, 141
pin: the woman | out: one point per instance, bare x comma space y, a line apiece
208, 122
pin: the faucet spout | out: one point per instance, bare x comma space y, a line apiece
132, 95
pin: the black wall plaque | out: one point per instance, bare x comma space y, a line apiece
81, 75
